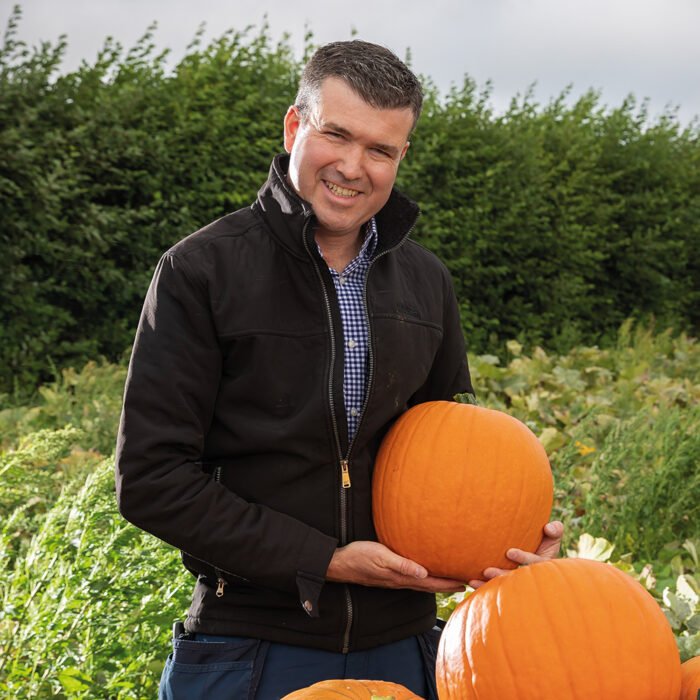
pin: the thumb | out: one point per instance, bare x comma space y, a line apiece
407, 567
554, 529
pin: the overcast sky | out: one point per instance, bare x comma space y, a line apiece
650, 48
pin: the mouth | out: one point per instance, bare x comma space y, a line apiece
339, 191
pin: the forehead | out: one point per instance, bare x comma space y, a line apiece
338, 104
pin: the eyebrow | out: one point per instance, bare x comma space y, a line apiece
392, 150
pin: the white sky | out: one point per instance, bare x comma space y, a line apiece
650, 48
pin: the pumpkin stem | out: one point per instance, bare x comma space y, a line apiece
466, 398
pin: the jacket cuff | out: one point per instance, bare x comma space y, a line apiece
312, 574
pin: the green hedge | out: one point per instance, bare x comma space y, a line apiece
556, 222
104, 168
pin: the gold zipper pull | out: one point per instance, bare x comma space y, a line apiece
345, 473
220, 587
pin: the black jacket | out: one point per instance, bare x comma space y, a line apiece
233, 434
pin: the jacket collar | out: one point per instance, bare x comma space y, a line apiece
289, 217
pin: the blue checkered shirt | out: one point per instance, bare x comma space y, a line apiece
349, 286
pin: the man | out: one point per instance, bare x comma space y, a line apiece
276, 347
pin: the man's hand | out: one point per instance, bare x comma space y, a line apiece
373, 564
548, 549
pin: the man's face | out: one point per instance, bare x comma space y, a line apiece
345, 156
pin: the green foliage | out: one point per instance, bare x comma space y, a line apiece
621, 430
90, 400
32, 478
104, 168
88, 607
87, 600
556, 222
645, 482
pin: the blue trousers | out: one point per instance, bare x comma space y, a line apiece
213, 667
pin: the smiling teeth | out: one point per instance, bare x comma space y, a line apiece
340, 191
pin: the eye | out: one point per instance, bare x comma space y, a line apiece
335, 135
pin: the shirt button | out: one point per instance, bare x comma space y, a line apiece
351, 344
341, 279
353, 412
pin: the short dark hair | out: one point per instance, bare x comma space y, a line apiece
374, 72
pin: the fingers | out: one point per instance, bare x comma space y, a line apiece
555, 529
548, 549
406, 567
415, 576
522, 557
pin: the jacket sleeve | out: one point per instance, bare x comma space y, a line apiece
449, 374
169, 400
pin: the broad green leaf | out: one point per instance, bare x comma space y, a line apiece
552, 439
73, 680
678, 606
693, 623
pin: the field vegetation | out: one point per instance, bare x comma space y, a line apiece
87, 601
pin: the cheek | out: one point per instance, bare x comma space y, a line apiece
312, 159
383, 179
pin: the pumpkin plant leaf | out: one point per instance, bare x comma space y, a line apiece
693, 623
589, 547
687, 588
690, 547
678, 607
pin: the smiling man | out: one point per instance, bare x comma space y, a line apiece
275, 348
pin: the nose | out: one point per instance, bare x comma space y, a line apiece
350, 163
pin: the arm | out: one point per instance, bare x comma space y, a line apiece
169, 404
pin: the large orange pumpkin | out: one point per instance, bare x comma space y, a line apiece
566, 629
354, 689
456, 485
690, 679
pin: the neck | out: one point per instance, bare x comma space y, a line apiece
338, 251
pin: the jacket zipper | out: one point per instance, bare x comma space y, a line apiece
220, 580
344, 468
345, 461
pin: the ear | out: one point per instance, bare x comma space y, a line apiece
405, 148
292, 120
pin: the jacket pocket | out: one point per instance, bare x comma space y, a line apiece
212, 575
